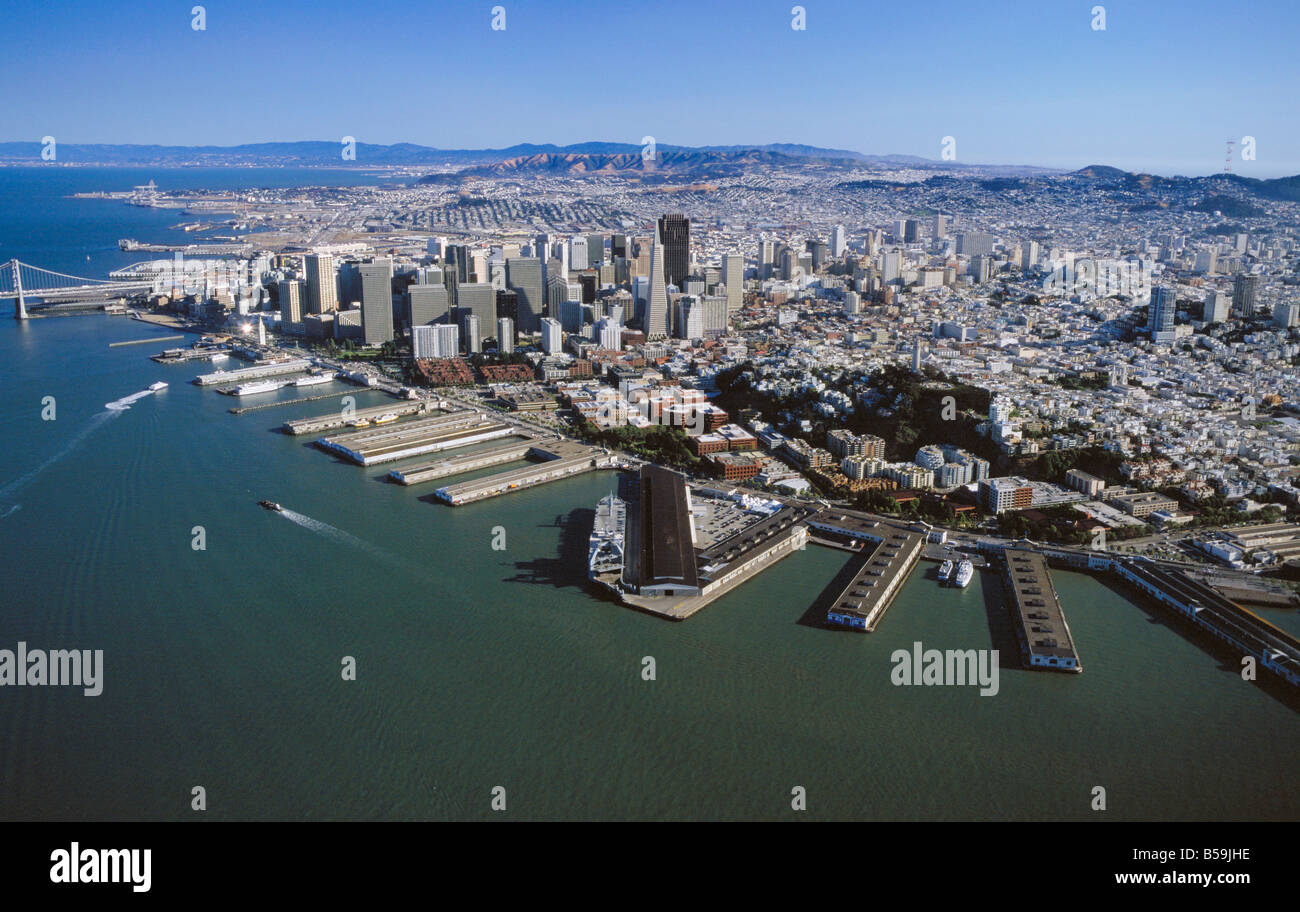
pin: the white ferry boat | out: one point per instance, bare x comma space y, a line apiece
260, 386
965, 573
159, 385
945, 571
314, 379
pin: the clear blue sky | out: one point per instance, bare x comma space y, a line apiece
1015, 82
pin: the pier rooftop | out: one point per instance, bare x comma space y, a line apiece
1045, 640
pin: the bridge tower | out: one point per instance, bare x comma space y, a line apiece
20, 305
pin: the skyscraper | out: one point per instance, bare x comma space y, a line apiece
551, 338
322, 289
1215, 309
675, 236
429, 304
480, 299
377, 301
733, 276
1162, 313
656, 322
1244, 288
505, 335
291, 294
839, 241
524, 277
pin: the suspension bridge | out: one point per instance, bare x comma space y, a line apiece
21, 281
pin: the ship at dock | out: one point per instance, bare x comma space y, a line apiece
259, 386
945, 571
965, 573
605, 548
315, 379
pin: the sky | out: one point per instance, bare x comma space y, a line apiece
1160, 89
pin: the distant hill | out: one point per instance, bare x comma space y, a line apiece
575, 158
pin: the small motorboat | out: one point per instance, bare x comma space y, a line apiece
270, 505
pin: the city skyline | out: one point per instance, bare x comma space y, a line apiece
1015, 86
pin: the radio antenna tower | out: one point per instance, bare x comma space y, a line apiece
1227, 162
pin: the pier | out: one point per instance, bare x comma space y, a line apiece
258, 371
563, 458
400, 440
888, 556
457, 465
299, 427
1244, 631
1045, 639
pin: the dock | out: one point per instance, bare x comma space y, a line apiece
884, 566
256, 372
562, 459
457, 465
1044, 635
403, 439
1246, 632
299, 427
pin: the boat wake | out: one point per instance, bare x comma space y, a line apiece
121, 405
338, 535
12, 488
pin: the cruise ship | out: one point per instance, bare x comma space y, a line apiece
945, 571
605, 550
260, 386
314, 379
965, 573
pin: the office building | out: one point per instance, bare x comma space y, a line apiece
524, 278
377, 301
322, 286
552, 340
291, 301
1244, 289
675, 236
505, 335
428, 304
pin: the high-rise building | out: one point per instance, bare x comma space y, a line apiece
1162, 313
940, 227
891, 266
578, 252
733, 276
480, 299
471, 332
1244, 290
505, 335
609, 334
1029, 255
322, 286
552, 340
441, 341
1286, 314
428, 304
377, 301
766, 257
656, 322
911, 231
973, 243
291, 300
524, 277
675, 236
839, 241
595, 250
1215, 309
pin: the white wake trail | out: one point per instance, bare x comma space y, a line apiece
338, 535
